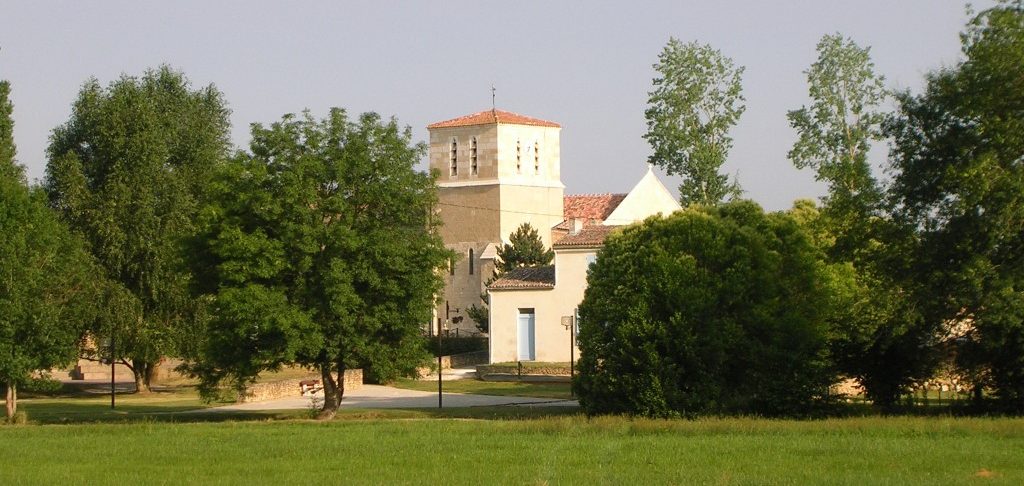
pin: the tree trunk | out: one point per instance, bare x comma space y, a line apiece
334, 391
12, 400
140, 370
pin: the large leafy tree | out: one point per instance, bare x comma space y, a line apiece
319, 248
959, 180
47, 284
711, 310
697, 98
524, 249
127, 171
881, 340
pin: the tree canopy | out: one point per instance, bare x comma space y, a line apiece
959, 182
319, 248
127, 171
697, 99
47, 280
711, 310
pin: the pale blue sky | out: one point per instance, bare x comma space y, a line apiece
586, 65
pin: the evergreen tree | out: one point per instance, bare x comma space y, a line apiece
524, 249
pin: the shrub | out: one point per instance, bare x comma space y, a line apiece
707, 311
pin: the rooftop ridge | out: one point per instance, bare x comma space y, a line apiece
493, 116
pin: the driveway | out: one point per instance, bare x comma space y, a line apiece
377, 396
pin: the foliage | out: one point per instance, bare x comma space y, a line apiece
319, 248
8, 167
957, 154
835, 135
695, 102
706, 311
524, 249
881, 338
127, 171
47, 284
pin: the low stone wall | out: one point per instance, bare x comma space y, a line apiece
272, 390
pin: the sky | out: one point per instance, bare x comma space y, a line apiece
585, 65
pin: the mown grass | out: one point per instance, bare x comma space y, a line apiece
499, 388
395, 447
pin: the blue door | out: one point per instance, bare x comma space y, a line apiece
527, 329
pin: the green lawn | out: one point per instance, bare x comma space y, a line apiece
401, 449
500, 388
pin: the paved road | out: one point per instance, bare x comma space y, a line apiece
377, 396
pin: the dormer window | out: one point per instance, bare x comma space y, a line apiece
519, 158
472, 157
536, 158
453, 159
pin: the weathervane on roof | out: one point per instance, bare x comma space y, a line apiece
492, 98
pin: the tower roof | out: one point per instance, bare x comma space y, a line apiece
493, 117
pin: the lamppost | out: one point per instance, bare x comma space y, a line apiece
569, 322
447, 317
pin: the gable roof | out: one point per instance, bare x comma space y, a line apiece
526, 278
591, 206
493, 117
591, 236
647, 198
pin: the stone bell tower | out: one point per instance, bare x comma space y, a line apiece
496, 170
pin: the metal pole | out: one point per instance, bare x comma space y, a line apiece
572, 353
112, 371
439, 354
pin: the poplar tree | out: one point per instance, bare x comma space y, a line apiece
697, 99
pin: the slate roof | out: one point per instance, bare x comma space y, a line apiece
493, 117
526, 278
589, 237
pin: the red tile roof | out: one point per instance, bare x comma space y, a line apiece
493, 117
526, 278
591, 236
591, 206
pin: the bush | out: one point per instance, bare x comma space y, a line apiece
19, 418
706, 311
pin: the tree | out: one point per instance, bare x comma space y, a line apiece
958, 180
127, 170
710, 310
319, 248
47, 283
524, 249
695, 102
882, 340
835, 135
7, 149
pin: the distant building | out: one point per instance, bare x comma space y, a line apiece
527, 305
498, 170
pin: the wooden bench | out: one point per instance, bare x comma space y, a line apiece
309, 387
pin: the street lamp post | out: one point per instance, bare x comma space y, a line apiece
570, 323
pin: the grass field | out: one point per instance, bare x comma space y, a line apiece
399, 447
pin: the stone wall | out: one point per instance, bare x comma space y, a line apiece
272, 390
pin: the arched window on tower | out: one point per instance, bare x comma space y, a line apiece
536, 158
519, 158
472, 157
453, 159
471, 261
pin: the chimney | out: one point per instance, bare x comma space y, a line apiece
577, 226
